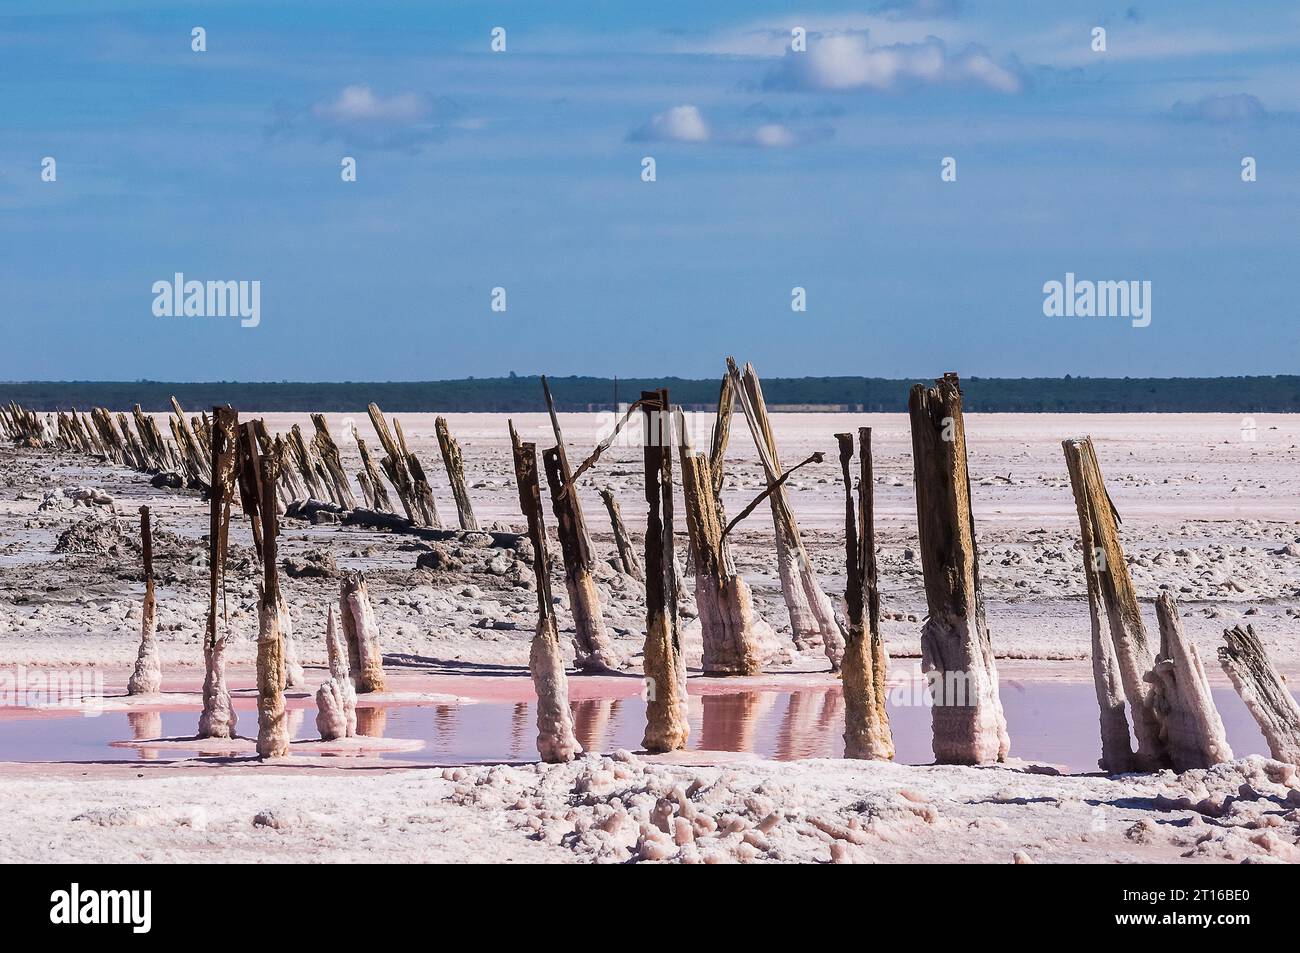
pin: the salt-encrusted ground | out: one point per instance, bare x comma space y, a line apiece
1207, 513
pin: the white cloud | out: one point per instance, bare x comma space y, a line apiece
773, 135
678, 124
848, 61
360, 104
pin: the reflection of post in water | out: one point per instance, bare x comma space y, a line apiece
805, 733
371, 721
293, 721
446, 725
518, 725
145, 726
591, 722
731, 721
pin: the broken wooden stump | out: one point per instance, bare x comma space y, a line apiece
272, 728
361, 632
667, 728
404, 472
1261, 687
555, 738
595, 651
1120, 645
328, 452
726, 608
628, 560
956, 652
812, 617
218, 719
146, 679
305, 463
453, 460
867, 733
1190, 724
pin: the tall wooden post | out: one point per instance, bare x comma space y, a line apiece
218, 719
667, 728
555, 738
454, 461
956, 652
866, 721
1120, 644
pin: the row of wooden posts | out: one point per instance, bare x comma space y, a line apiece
1165, 693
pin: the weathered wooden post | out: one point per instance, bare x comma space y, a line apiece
594, 648
1191, 727
628, 560
667, 728
1120, 645
272, 728
328, 451
381, 501
812, 617
956, 652
147, 677
1262, 689
454, 461
866, 721
218, 718
556, 741
721, 594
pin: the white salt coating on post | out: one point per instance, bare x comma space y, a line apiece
272, 728
365, 658
336, 699
294, 676
556, 741
147, 677
1190, 723
1262, 689
218, 719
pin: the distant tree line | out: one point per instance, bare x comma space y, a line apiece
521, 394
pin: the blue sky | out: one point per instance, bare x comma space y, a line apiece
522, 170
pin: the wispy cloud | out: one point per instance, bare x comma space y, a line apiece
359, 117
1232, 108
687, 124
848, 61
918, 9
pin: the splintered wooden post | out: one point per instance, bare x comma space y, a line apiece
555, 738
455, 464
1191, 724
627, 557
218, 719
594, 648
1120, 642
1261, 687
667, 728
866, 722
147, 677
956, 652
725, 605
381, 501
395, 467
272, 727
812, 617
328, 452
306, 465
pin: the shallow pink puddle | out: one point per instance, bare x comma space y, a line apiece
1050, 722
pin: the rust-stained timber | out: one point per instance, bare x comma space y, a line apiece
667, 728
